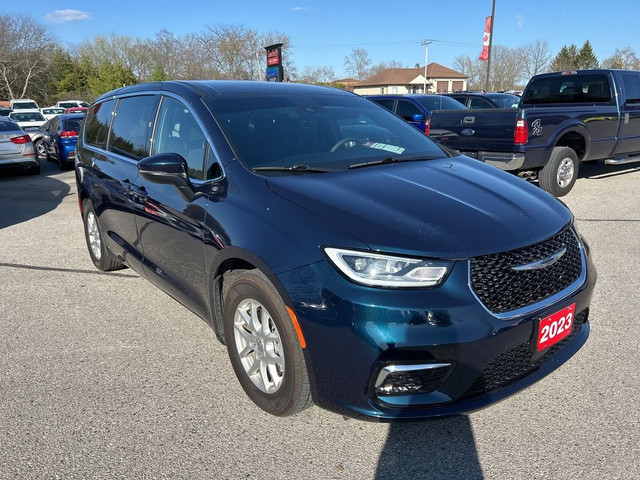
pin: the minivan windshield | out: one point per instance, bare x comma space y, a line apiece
314, 133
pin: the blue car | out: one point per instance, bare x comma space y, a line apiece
59, 138
344, 258
416, 108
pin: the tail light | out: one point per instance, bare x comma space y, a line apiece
521, 134
427, 126
21, 139
68, 133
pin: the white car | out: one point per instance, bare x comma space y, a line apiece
23, 104
71, 103
50, 112
29, 120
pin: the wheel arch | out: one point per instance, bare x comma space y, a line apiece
574, 136
226, 261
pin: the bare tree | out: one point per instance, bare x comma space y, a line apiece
126, 51
24, 52
625, 59
506, 68
357, 63
536, 58
317, 75
385, 66
474, 69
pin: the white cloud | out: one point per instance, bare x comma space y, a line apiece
519, 21
301, 9
63, 16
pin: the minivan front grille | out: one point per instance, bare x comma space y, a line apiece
501, 288
519, 362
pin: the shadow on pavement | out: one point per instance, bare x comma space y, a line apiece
435, 449
594, 170
24, 196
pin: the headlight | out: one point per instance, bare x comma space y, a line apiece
379, 270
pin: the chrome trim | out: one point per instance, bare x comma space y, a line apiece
544, 263
529, 309
389, 369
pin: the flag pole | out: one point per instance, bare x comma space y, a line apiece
493, 14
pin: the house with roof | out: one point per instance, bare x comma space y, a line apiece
439, 79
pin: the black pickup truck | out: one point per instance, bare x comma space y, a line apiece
563, 119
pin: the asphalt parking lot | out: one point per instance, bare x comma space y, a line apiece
104, 376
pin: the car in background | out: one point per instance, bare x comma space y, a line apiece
416, 108
29, 120
59, 139
23, 104
50, 112
76, 110
71, 103
4, 111
486, 100
16, 147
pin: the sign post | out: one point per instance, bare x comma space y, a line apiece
275, 72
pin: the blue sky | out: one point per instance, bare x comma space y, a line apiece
324, 32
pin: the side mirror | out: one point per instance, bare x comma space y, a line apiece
168, 169
418, 117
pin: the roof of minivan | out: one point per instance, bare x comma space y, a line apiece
209, 88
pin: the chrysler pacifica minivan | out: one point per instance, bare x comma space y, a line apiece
343, 257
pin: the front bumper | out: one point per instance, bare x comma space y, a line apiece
354, 333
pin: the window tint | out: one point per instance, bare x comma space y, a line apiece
53, 125
407, 110
96, 128
8, 127
568, 89
130, 131
631, 82
178, 132
384, 102
475, 102
72, 124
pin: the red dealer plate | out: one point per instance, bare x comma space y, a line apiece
555, 327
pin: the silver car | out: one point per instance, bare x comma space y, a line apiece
16, 147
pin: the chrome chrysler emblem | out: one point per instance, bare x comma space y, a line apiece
544, 263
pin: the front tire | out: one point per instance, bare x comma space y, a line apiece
560, 173
98, 252
263, 345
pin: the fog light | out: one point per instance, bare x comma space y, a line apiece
411, 379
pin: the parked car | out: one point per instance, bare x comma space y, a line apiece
23, 104
29, 120
485, 100
60, 136
49, 112
341, 255
71, 103
416, 108
4, 112
563, 119
76, 110
16, 147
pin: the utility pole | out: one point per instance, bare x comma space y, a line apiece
493, 17
426, 58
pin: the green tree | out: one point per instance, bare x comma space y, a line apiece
109, 76
566, 59
158, 74
586, 57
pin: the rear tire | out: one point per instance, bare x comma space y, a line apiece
262, 344
100, 256
560, 173
41, 151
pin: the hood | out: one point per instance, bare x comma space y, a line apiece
449, 208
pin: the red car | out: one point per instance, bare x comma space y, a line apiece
76, 110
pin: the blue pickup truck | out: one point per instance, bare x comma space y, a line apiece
563, 119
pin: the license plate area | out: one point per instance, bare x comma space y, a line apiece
555, 327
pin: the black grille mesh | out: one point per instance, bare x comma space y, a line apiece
502, 289
518, 362
414, 381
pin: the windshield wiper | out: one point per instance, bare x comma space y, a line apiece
387, 160
289, 168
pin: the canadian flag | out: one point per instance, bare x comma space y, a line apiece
485, 41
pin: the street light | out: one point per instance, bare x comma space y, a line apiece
426, 57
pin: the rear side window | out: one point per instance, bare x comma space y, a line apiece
96, 129
131, 126
384, 102
407, 110
591, 88
631, 82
